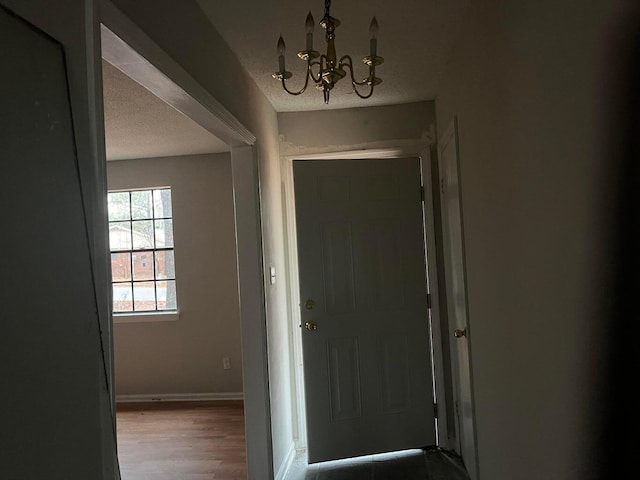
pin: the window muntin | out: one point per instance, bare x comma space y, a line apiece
142, 253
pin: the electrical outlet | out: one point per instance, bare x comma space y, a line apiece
225, 363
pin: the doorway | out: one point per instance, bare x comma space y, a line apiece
176, 327
171, 85
292, 247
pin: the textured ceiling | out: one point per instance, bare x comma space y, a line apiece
140, 125
415, 39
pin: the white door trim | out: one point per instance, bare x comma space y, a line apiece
291, 247
132, 51
438, 360
139, 56
471, 452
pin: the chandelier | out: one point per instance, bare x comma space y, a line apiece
328, 68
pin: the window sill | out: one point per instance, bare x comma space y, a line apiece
145, 317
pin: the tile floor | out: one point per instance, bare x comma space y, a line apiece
429, 464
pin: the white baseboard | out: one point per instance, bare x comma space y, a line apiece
286, 463
179, 397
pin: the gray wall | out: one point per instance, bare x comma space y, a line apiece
185, 356
526, 80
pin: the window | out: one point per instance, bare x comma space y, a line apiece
142, 258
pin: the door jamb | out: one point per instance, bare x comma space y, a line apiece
291, 247
472, 464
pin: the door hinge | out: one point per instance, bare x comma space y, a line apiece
435, 410
429, 300
422, 193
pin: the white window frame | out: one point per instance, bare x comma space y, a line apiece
149, 315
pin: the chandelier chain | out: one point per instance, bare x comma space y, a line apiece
327, 7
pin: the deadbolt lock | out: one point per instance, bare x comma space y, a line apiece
309, 304
459, 333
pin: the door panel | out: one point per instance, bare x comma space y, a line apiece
394, 369
361, 258
381, 259
344, 378
337, 267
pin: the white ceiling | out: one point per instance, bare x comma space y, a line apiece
140, 125
415, 39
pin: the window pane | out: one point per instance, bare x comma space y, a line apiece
139, 223
143, 265
164, 233
162, 203
120, 235
121, 267
167, 295
144, 296
118, 205
142, 234
165, 265
141, 206
122, 297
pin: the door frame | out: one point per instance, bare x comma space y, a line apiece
138, 56
291, 247
468, 453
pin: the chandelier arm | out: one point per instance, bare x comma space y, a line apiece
355, 89
354, 82
318, 62
306, 83
343, 60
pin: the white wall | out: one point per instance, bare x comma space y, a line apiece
526, 80
406, 125
185, 356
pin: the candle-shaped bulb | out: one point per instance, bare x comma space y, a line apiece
309, 24
281, 54
373, 32
373, 28
280, 46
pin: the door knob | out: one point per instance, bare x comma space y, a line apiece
458, 333
311, 326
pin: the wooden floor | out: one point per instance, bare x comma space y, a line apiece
182, 441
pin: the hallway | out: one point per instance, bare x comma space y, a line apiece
428, 464
206, 441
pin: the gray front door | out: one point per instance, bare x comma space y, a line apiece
365, 319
